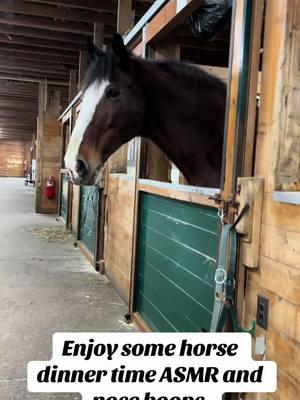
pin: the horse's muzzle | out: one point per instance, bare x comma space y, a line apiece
87, 180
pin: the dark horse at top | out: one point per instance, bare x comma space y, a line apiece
179, 107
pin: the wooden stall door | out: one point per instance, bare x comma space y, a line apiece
176, 262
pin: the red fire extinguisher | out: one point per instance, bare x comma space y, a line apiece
50, 187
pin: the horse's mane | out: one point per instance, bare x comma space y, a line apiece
103, 68
191, 74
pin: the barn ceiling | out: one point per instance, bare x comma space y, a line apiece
42, 40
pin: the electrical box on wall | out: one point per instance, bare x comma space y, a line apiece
262, 312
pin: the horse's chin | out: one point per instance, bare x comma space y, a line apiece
93, 180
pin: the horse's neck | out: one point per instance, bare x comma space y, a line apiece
184, 123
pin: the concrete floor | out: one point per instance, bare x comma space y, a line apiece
46, 286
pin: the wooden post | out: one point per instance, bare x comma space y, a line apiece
99, 35
72, 84
257, 21
42, 98
118, 161
124, 22
39, 145
83, 65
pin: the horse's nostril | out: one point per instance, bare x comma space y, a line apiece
80, 168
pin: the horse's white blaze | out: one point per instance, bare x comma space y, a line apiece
91, 99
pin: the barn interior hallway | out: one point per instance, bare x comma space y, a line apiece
46, 286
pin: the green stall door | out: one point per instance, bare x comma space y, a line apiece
176, 262
64, 190
88, 217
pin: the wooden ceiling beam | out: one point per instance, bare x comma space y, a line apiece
8, 93
17, 126
31, 129
91, 5
9, 113
16, 130
52, 44
18, 85
5, 55
31, 76
29, 49
42, 34
35, 70
50, 11
24, 132
13, 117
35, 67
103, 6
18, 105
9, 90
46, 23
31, 123
10, 76
18, 96
15, 137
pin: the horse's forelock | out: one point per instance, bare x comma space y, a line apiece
99, 71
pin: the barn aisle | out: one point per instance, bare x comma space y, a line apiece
45, 286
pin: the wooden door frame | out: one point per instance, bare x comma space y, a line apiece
65, 118
241, 113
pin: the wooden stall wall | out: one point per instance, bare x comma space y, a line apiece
287, 176
119, 231
278, 275
75, 209
48, 162
12, 157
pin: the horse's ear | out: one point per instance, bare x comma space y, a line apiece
121, 52
93, 51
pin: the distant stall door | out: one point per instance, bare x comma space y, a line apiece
88, 217
63, 208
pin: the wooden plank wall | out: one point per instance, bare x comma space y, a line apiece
13, 154
278, 275
48, 163
288, 164
118, 232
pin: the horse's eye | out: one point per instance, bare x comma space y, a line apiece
112, 92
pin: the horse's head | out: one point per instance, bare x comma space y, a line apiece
111, 112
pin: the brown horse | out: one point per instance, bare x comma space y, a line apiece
179, 107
